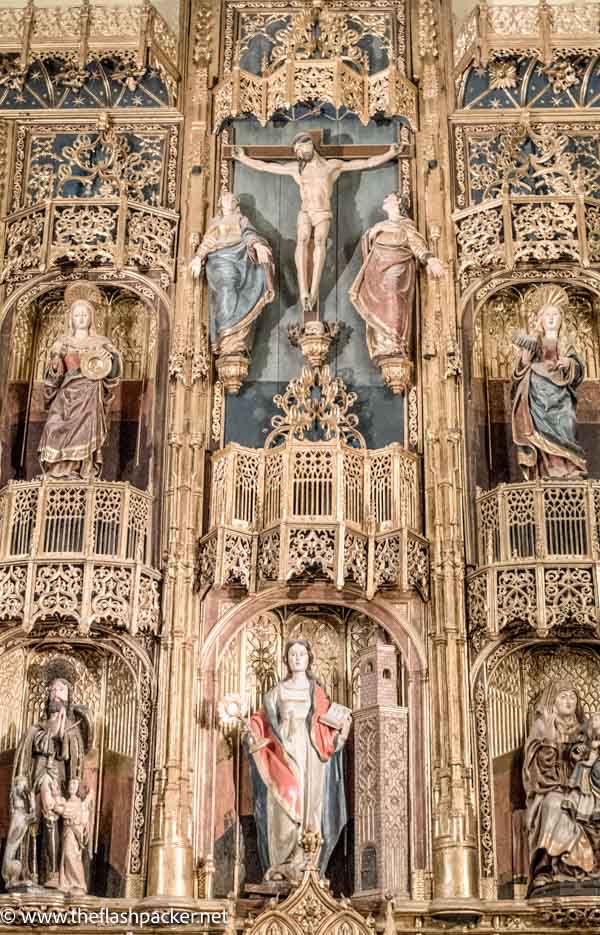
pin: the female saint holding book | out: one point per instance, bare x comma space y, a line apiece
295, 744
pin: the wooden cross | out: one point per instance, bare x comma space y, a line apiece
328, 151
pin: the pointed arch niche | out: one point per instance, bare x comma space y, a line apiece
489, 320
243, 656
134, 319
115, 679
507, 681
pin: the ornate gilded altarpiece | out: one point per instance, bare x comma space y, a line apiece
309, 502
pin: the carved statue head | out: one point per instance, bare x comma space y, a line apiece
396, 205
560, 699
548, 304
60, 675
592, 727
20, 785
298, 657
228, 203
73, 787
81, 300
304, 148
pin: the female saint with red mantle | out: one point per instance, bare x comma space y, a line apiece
296, 767
383, 291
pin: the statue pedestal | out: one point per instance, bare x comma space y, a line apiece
269, 888
397, 372
232, 370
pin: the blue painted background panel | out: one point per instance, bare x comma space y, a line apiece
272, 203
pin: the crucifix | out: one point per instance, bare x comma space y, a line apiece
315, 167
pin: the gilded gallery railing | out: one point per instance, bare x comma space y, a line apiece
516, 229
81, 33
78, 551
538, 546
315, 52
345, 514
525, 27
342, 84
115, 231
329, 509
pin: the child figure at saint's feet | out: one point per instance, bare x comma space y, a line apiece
583, 802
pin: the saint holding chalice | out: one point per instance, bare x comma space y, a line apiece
82, 374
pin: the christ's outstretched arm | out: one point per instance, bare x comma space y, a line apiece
276, 168
371, 163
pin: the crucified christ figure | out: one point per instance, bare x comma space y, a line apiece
315, 176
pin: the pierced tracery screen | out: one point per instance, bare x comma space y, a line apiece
252, 662
493, 350
519, 679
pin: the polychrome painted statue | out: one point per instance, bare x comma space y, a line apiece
82, 374
545, 380
383, 291
560, 755
240, 276
75, 840
49, 759
297, 769
315, 177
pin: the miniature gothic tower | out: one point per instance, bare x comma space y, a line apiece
381, 858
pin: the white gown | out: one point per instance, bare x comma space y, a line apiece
284, 834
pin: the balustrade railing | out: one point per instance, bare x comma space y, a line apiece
522, 27
115, 231
88, 29
538, 558
541, 520
516, 229
302, 508
80, 550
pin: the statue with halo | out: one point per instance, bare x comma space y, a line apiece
546, 375
82, 373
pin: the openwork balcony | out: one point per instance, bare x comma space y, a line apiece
88, 31
538, 558
514, 229
496, 27
77, 551
326, 508
115, 231
242, 93
315, 54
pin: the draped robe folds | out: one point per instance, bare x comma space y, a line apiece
77, 426
297, 777
37, 750
75, 834
543, 416
383, 291
239, 288
553, 831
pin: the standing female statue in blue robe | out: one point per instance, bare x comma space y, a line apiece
545, 379
240, 274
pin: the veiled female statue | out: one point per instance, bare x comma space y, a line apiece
296, 767
383, 291
82, 374
545, 380
240, 276
560, 845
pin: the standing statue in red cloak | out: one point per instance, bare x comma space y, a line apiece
297, 771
